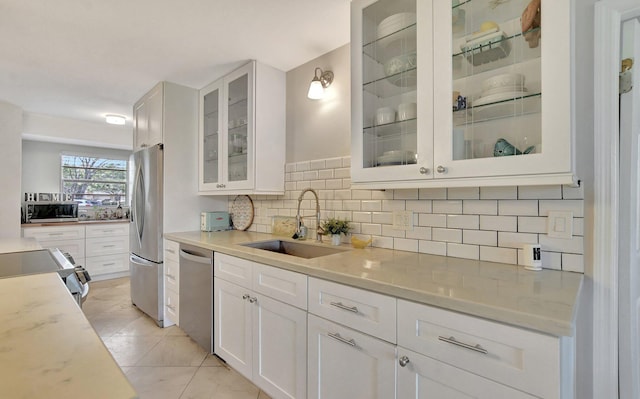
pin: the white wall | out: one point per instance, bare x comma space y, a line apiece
49, 128
10, 154
41, 163
320, 128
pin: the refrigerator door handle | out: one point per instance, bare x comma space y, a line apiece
137, 214
140, 261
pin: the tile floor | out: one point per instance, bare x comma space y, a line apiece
161, 363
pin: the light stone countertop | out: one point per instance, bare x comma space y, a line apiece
80, 222
48, 349
545, 301
8, 245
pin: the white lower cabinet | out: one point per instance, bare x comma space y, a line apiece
344, 363
421, 377
171, 270
262, 338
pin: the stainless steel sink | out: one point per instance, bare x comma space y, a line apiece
292, 248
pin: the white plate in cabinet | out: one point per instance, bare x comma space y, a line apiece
171, 250
233, 269
344, 363
172, 275
421, 377
97, 265
107, 246
519, 358
107, 230
171, 308
283, 285
54, 233
362, 310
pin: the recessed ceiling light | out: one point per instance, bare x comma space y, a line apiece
115, 119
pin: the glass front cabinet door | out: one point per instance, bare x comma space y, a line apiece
226, 142
493, 106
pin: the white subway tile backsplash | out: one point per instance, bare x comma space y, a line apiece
447, 235
480, 207
540, 192
499, 223
449, 207
432, 193
480, 237
487, 223
498, 193
518, 207
403, 244
500, 255
382, 217
575, 206
409, 194
432, 247
463, 251
419, 232
432, 220
515, 240
463, 221
532, 224
471, 193
420, 206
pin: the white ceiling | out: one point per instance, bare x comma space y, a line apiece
83, 59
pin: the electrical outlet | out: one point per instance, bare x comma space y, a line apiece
403, 220
560, 224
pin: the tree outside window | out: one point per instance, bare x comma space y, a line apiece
94, 180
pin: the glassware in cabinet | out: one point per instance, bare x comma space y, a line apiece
210, 140
496, 80
237, 137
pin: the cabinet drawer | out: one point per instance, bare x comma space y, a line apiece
233, 269
283, 285
515, 357
171, 250
107, 230
172, 275
97, 265
54, 233
73, 247
362, 310
171, 308
107, 246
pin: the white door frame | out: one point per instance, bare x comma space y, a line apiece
609, 15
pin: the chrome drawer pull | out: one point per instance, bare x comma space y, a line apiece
344, 307
109, 264
337, 336
452, 340
403, 361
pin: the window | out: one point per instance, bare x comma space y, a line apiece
94, 180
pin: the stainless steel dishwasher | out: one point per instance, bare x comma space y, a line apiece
196, 294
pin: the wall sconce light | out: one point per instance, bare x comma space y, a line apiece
320, 81
115, 119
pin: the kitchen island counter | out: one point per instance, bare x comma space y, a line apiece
48, 349
545, 301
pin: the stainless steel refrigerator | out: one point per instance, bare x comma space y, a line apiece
145, 263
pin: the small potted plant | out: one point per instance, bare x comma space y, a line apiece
335, 227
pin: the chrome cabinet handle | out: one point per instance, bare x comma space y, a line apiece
452, 340
441, 169
337, 337
424, 171
56, 234
403, 361
344, 307
220, 186
245, 297
253, 300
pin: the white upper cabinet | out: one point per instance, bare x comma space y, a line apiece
242, 132
493, 94
148, 119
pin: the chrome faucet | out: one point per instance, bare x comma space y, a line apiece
299, 218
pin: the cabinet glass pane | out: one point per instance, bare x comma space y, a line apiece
237, 128
390, 74
210, 139
496, 90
